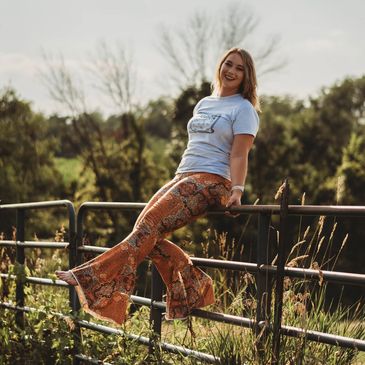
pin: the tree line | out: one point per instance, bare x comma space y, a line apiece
319, 144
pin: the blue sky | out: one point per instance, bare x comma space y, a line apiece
321, 40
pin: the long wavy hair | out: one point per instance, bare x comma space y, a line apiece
248, 88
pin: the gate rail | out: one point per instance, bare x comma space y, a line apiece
265, 273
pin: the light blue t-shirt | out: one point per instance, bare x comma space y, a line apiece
211, 129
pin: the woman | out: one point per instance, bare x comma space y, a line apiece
211, 174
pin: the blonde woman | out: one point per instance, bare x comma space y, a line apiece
211, 173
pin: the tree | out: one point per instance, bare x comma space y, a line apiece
115, 76
351, 172
117, 158
192, 50
275, 152
184, 105
27, 171
158, 115
115, 79
323, 131
350, 187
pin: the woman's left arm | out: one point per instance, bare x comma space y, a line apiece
241, 146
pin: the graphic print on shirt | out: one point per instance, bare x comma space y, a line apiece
203, 123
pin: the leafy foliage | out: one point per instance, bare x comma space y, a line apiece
319, 144
27, 167
49, 337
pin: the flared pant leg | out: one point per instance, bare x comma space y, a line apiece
105, 282
187, 286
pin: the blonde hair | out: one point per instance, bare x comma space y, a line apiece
249, 85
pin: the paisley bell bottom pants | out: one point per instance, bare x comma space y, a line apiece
106, 282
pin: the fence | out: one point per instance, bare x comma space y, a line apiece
265, 274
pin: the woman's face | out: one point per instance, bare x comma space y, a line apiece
231, 74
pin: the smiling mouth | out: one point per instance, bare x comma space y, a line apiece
229, 78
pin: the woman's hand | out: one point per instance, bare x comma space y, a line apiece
234, 201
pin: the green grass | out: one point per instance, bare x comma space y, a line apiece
304, 306
360, 358
70, 168
234, 345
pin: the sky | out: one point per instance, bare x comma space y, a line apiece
321, 41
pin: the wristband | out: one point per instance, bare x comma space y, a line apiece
238, 187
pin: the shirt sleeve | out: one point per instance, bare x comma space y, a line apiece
246, 120
196, 108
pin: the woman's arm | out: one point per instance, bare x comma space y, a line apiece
241, 146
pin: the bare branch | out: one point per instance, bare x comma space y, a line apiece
265, 60
237, 23
186, 49
61, 85
173, 56
200, 32
192, 49
115, 75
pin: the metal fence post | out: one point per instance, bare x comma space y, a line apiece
155, 313
263, 283
72, 258
283, 234
73, 261
20, 259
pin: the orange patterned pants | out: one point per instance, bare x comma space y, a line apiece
105, 282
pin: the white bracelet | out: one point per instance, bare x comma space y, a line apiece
238, 187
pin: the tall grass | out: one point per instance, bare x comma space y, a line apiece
46, 338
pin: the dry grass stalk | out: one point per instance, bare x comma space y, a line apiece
320, 275
222, 240
306, 232
295, 246
330, 240
321, 220
294, 262
319, 245
303, 199
287, 283
205, 249
333, 231
344, 241
315, 266
60, 234
280, 191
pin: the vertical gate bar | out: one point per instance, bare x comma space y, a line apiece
80, 235
155, 313
263, 283
283, 236
72, 257
20, 259
72, 262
